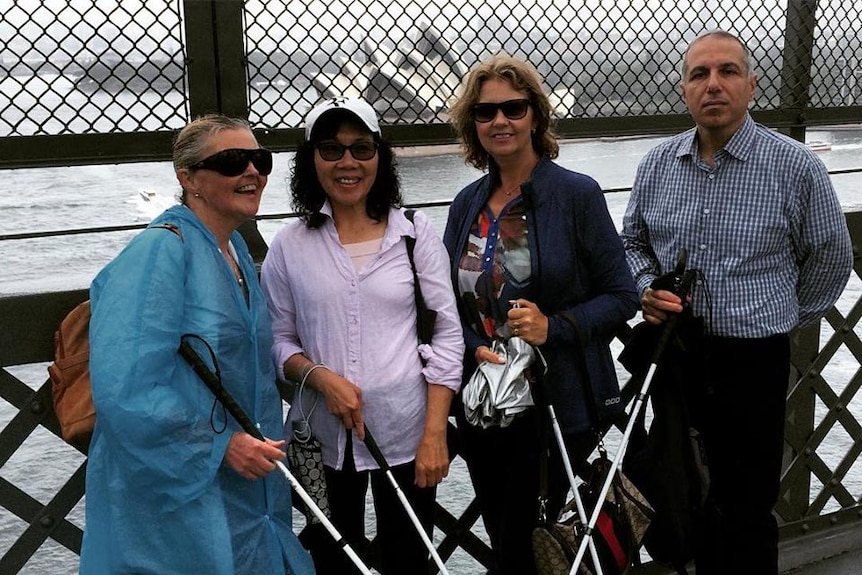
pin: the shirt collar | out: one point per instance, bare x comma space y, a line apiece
739, 146
742, 142
397, 224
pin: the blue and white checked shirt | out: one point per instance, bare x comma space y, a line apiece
764, 226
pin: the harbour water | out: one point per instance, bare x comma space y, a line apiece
80, 197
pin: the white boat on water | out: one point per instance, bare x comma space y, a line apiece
150, 203
819, 146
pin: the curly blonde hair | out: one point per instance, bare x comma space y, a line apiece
524, 78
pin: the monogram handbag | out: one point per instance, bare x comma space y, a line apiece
619, 530
624, 517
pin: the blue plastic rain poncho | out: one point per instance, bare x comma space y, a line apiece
159, 498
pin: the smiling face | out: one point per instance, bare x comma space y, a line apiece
347, 181
505, 140
717, 86
224, 202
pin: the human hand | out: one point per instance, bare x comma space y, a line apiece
432, 460
657, 304
252, 458
343, 399
527, 321
484, 353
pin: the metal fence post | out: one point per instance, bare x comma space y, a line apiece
216, 62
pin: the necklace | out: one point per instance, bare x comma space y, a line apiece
511, 191
234, 266
237, 274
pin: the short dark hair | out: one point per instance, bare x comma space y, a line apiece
308, 196
718, 33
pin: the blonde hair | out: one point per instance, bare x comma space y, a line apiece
524, 78
193, 138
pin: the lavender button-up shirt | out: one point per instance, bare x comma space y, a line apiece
362, 325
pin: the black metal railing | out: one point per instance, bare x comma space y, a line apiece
113, 81
110, 82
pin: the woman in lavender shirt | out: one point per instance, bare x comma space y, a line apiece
341, 297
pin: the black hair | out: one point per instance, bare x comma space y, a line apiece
308, 196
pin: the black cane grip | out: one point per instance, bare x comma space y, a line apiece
212, 382
675, 281
681, 260
375, 450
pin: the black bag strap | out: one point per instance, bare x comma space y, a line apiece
589, 393
424, 318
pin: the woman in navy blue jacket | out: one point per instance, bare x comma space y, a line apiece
530, 242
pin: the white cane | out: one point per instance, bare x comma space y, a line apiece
564, 455
582, 514
336, 536
685, 279
381, 462
241, 417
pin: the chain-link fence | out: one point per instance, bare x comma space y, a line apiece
100, 66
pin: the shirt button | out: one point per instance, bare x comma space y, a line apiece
711, 176
706, 210
702, 246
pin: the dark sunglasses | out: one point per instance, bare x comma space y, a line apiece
513, 109
234, 161
333, 151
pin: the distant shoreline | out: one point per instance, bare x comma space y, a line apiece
444, 149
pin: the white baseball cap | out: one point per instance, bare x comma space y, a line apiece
359, 108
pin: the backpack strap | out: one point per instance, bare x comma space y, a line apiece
170, 227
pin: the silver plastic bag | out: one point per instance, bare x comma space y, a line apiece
498, 392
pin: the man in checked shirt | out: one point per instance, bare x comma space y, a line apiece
758, 216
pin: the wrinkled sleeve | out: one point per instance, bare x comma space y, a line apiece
823, 249
153, 424
613, 299
641, 258
275, 282
444, 363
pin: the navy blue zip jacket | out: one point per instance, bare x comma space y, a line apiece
577, 266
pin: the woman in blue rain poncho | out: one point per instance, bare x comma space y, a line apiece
173, 485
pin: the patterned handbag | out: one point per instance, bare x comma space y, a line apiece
305, 455
619, 530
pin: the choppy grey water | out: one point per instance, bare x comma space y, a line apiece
78, 197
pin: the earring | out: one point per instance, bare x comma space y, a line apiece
197, 195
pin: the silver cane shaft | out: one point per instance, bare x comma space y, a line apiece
615, 464
582, 514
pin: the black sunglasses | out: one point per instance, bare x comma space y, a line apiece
333, 151
233, 162
513, 109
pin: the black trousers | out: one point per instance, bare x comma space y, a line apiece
401, 550
741, 416
504, 469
